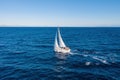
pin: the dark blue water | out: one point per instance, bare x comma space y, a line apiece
27, 54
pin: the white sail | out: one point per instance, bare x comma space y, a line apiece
61, 47
61, 42
56, 46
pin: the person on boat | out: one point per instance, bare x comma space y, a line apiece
66, 48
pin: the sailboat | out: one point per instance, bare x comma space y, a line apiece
59, 45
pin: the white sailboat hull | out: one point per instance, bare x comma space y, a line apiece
61, 50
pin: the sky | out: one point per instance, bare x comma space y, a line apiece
60, 13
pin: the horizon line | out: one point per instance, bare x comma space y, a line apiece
51, 26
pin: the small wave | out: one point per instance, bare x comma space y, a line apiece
98, 58
101, 60
87, 63
2, 46
87, 51
73, 53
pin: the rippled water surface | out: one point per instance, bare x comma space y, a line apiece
27, 54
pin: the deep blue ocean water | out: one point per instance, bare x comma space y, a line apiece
27, 54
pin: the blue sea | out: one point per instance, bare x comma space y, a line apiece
26, 53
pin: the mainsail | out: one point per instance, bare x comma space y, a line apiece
56, 46
61, 42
